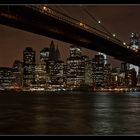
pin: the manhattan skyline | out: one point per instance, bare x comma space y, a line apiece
65, 87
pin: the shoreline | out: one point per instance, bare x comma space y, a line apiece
72, 91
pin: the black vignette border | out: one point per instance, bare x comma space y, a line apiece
69, 2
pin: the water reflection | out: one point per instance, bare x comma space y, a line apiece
87, 113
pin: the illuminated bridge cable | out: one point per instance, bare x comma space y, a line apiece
84, 9
76, 20
90, 26
68, 17
73, 21
65, 11
58, 8
105, 30
101, 25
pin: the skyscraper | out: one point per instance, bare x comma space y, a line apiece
134, 44
28, 67
52, 51
18, 73
88, 73
134, 78
44, 58
6, 77
107, 74
98, 74
75, 51
57, 54
128, 76
124, 66
105, 57
116, 77
41, 77
44, 55
56, 72
56, 67
75, 67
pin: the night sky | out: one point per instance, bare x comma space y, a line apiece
121, 20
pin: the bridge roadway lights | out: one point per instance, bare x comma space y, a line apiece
34, 21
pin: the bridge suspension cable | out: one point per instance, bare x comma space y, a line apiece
65, 11
103, 27
97, 21
77, 22
82, 21
71, 20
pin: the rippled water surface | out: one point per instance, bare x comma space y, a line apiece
70, 113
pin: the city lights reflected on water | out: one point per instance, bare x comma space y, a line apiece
76, 113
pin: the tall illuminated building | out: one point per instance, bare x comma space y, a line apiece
115, 77
75, 51
134, 78
65, 74
134, 44
28, 67
18, 73
127, 76
98, 75
56, 72
75, 67
59, 67
98, 70
88, 72
55, 66
105, 57
107, 74
106, 70
57, 54
41, 77
52, 54
44, 55
44, 58
6, 77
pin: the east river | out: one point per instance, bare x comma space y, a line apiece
69, 113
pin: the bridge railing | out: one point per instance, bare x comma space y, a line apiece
61, 16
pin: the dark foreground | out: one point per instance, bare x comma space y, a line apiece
70, 114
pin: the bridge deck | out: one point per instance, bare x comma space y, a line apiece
29, 19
